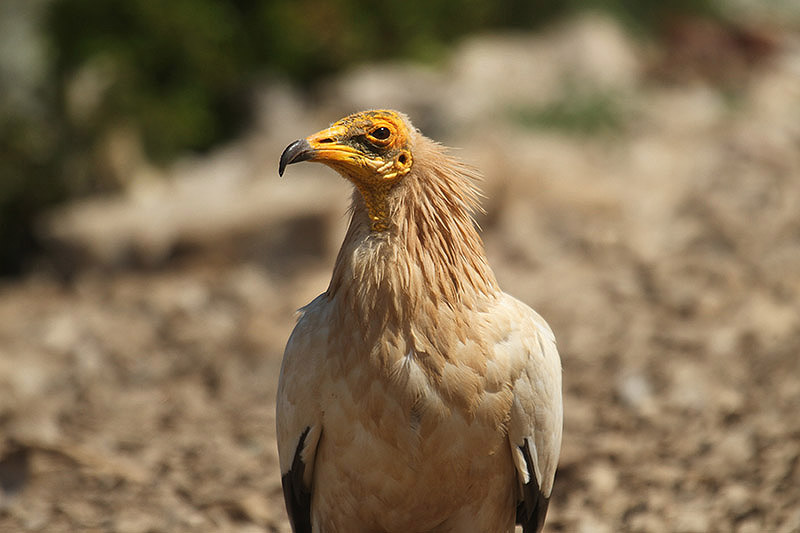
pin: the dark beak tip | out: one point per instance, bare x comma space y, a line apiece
297, 151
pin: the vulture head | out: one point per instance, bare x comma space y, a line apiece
372, 149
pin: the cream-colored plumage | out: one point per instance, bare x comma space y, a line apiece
425, 398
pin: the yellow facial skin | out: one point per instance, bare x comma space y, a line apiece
371, 149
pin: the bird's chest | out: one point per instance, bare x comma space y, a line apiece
408, 397
396, 432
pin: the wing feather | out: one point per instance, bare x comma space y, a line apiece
298, 415
535, 425
296, 493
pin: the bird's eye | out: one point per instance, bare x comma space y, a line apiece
382, 133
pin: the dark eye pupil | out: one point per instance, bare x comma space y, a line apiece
381, 133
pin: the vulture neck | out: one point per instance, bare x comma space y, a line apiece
430, 256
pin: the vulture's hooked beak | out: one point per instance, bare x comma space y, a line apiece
325, 146
298, 151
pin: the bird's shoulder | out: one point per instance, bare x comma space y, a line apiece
304, 351
301, 372
529, 347
311, 329
535, 423
517, 336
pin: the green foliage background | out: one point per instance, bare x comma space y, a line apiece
178, 73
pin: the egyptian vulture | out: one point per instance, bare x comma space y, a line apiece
414, 395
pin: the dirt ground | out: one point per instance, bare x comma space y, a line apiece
665, 253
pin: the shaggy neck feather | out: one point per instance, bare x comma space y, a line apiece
430, 255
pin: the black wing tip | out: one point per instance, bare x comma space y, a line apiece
532, 510
296, 496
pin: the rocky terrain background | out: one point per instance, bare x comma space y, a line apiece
645, 201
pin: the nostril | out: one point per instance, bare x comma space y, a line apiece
326, 140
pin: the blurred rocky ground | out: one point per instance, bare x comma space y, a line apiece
645, 200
